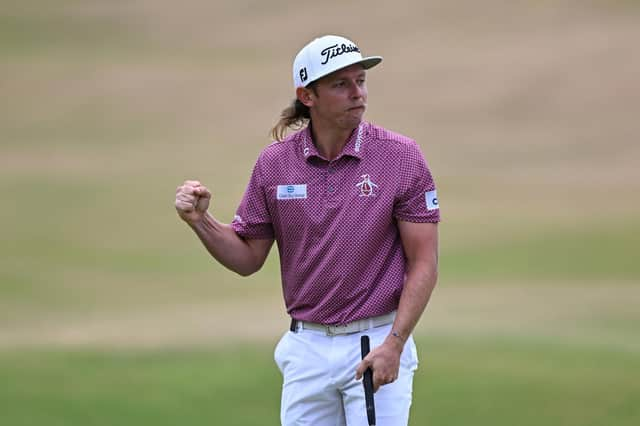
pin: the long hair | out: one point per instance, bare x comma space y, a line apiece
295, 116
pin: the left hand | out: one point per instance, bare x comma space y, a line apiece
384, 361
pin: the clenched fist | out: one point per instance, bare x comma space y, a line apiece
192, 201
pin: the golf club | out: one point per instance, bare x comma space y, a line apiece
367, 381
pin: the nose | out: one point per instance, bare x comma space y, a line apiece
357, 91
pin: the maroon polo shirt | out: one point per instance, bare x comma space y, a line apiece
335, 222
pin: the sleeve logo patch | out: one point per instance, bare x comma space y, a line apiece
291, 192
432, 200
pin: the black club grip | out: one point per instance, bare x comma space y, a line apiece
367, 381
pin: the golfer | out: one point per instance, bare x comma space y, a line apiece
354, 211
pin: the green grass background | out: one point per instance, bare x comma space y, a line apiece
111, 313
486, 381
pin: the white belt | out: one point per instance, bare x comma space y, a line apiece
348, 328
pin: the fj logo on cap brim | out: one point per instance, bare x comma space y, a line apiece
303, 74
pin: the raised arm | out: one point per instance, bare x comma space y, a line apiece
237, 254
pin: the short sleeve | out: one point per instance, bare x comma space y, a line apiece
417, 198
252, 219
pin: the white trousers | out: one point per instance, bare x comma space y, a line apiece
319, 386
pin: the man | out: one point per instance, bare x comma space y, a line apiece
354, 211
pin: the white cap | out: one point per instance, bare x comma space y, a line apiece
325, 55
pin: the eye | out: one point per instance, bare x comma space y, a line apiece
339, 83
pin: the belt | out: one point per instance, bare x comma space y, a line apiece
348, 328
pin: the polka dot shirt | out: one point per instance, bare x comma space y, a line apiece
335, 222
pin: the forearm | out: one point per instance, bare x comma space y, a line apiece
385, 359
420, 282
226, 246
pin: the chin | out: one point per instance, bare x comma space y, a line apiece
352, 122
356, 116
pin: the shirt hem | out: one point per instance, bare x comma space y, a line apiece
417, 219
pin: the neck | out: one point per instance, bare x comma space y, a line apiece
330, 141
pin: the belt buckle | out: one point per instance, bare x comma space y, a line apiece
336, 329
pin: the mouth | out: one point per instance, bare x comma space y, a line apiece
357, 108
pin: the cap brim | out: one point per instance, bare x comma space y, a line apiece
368, 62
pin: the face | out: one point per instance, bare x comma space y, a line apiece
339, 99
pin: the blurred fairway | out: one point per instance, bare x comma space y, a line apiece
489, 382
111, 313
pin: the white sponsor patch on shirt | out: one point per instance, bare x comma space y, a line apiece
432, 200
291, 192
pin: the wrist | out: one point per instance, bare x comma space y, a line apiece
200, 222
396, 339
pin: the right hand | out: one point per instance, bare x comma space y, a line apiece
192, 201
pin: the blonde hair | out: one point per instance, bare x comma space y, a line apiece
295, 116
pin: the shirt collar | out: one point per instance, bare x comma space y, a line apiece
353, 147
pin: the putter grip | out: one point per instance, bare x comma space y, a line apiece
367, 381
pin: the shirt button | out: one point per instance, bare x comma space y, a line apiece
330, 189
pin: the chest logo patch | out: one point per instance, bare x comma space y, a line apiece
367, 187
291, 192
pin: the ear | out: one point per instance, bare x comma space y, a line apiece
305, 96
